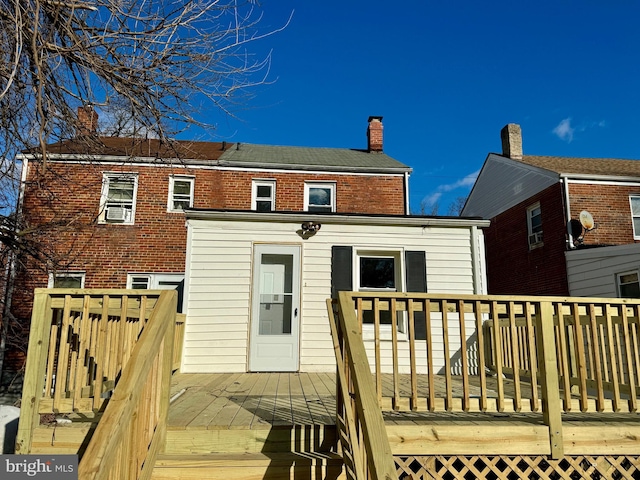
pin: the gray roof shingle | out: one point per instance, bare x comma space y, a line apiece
585, 166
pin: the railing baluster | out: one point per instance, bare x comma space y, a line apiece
448, 403
412, 355
463, 357
533, 361
581, 359
376, 336
394, 350
633, 401
563, 358
498, 355
597, 368
517, 397
613, 361
431, 403
477, 310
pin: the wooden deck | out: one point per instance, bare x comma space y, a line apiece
269, 410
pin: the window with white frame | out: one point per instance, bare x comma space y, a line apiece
534, 224
263, 195
320, 197
66, 280
380, 271
158, 281
634, 200
628, 285
118, 202
180, 193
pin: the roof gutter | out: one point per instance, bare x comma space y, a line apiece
337, 219
599, 178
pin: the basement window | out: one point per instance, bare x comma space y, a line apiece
158, 281
66, 280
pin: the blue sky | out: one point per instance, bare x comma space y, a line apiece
446, 76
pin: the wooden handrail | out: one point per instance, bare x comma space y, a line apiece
99, 458
375, 445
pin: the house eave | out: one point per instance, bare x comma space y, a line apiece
336, 218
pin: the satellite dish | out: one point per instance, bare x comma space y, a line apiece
586, 220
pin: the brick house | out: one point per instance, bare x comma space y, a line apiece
109, 211
536, 243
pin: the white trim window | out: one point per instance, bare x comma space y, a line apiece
181, 190
263, 195
158, 281
634, 200
118, 200
534, 225
320, 197
628, 284
66, 280
380, 271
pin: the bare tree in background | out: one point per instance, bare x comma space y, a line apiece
151, 66
455, 208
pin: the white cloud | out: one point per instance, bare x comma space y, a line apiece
465, 182
564, 130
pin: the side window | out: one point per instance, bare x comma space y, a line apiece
635, 215
66, 280
118, 202
628, 285
534, 225
263, 195
320, 197
180, 193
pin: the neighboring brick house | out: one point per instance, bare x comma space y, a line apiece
536, 244
108, 211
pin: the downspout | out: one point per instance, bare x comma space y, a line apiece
406, 194
567, 209
477, 264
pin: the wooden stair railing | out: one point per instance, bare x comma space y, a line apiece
133, 426
363, 437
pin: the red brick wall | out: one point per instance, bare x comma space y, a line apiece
514, 269
610, 208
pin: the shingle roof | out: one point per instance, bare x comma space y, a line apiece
247, 154
585, 166
231, 154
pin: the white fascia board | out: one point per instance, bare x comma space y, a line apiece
600, 179
336, 219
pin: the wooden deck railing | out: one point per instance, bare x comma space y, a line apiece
91, 347
448, 353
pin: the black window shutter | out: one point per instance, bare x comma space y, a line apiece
341, 269
416, 272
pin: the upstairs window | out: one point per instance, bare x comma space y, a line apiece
180, 193
534, 223
628, 285
118, 202
320, 197
263, 195
635, 215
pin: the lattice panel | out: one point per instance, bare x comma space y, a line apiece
517, 467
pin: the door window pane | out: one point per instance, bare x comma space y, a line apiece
276, 283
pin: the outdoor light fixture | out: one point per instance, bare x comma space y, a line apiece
310, 227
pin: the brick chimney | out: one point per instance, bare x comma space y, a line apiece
87, 120
374, 134
511, 136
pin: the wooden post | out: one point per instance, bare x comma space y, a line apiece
35, 370
548, 363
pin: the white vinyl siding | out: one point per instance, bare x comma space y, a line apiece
594, 272
219, 282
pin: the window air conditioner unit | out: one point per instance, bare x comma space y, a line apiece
116, 214
535, 238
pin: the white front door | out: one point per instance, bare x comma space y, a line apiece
275, 312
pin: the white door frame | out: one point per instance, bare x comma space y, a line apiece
271, 347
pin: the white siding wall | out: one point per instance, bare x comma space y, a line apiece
219, 282
592, 272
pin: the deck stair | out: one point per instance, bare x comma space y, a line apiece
262, 426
